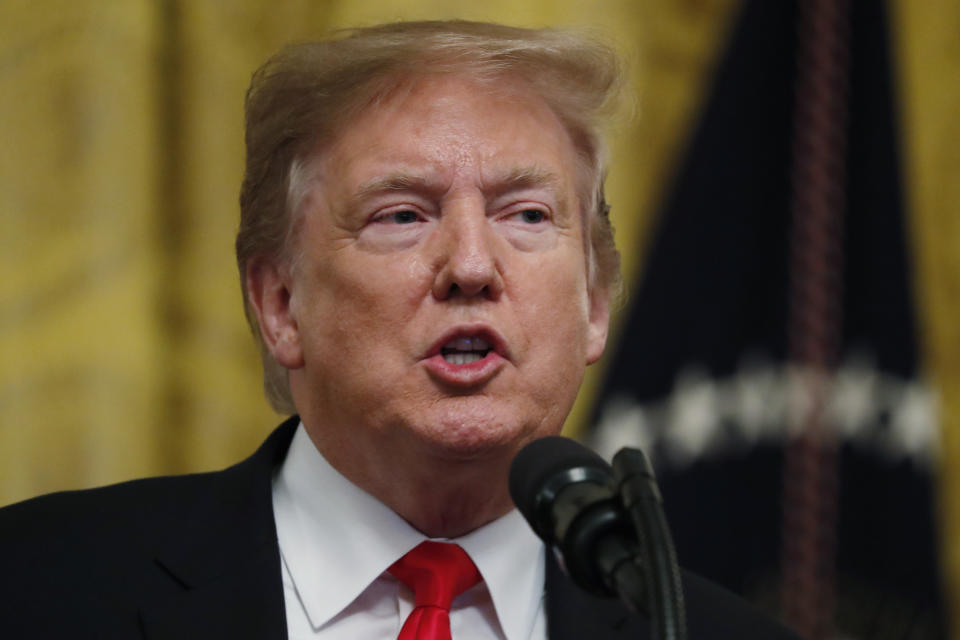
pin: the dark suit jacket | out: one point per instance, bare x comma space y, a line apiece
196, 557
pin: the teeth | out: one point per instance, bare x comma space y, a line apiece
462, 358
465, 350
468, 344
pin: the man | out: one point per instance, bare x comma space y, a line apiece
428, 266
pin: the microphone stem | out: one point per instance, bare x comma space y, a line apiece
641, 499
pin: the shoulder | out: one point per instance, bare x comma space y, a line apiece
79, 560
92, 553
86, 558
712, 612
125, 512
134, 513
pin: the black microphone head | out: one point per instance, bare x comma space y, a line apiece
544, 466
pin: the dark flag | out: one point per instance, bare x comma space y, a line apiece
705, 377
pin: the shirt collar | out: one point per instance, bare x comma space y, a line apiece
511, 560
327, 526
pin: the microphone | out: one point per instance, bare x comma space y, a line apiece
568, 495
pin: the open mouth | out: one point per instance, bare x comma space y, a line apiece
467, 356
465, 350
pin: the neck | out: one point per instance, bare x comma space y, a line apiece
439, 495
449, 504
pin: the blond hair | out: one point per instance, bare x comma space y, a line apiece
302, 96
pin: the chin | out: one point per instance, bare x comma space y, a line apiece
472, 432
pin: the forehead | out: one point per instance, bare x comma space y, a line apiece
450, 127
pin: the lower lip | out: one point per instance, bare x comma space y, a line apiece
464, 375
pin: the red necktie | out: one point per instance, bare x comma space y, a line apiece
437, 572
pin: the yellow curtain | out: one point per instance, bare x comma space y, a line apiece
928, 66
81, 333
124, 350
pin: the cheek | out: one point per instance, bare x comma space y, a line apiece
363, 300
557, 319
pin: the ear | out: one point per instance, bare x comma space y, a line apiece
598, 324
268, 289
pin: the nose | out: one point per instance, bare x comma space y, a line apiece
468, 264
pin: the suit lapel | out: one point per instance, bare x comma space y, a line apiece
239, 605
222, 558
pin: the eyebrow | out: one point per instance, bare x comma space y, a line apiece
522, 178
396, 182
511, 180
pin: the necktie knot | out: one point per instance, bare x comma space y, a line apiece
437, 572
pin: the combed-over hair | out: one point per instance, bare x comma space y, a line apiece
304, 95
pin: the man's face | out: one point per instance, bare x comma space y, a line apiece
440, 297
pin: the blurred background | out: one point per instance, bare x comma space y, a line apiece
786, 202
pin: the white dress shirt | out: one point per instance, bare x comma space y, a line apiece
336, 542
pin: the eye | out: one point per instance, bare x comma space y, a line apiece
401, 217
529, 219
532, 216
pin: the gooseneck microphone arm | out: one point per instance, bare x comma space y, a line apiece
606, 524
641, 498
